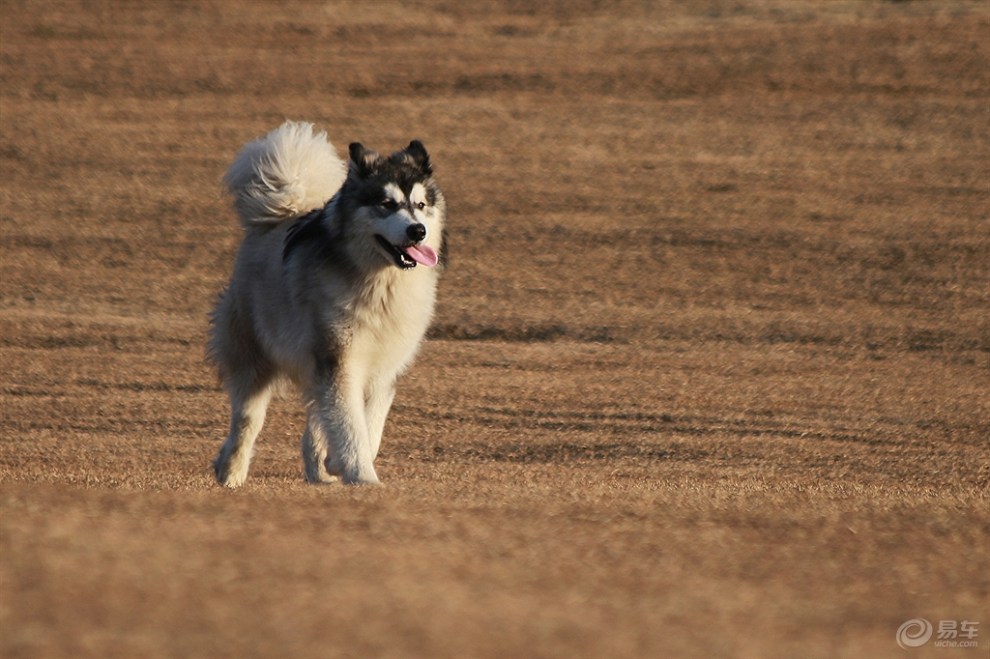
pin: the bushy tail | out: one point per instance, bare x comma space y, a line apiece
288, 173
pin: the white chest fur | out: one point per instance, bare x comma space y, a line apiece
389, 316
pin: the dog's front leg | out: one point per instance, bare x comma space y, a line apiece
379, 398
338, 400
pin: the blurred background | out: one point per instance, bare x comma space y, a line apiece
708, 372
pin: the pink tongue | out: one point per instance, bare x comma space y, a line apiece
423, 254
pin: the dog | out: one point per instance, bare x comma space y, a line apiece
333, 289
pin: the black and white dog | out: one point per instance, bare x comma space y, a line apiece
333, 289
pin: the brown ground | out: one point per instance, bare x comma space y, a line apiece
709, 373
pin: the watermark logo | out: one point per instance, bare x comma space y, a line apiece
914, 633
950, 634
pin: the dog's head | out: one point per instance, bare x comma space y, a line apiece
394, 206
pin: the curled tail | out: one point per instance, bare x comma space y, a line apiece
286, 174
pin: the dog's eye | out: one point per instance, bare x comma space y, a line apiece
390, 204
421, 205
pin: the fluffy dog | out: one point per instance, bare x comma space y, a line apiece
333, 289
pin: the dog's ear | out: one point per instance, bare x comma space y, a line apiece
365, 160
418, 153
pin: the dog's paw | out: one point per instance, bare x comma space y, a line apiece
352, 474
322, 478
362, 478
230, 480
316, 472
227, 476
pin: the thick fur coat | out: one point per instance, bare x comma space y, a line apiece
333, 289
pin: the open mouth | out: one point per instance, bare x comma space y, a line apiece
407, 256
401, 259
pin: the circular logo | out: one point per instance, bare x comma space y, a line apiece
914, 633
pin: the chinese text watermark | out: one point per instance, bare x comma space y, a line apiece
917, 632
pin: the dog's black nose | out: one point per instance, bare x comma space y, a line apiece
416, 232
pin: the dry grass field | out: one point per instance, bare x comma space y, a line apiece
709, 374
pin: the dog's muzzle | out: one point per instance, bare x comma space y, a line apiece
406, 256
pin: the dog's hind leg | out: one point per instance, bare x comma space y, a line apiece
314, 450
246, 418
